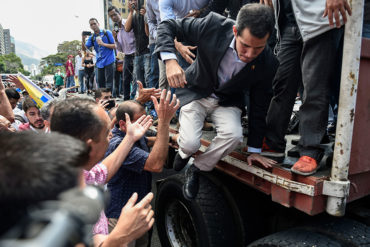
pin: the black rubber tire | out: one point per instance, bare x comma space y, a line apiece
206, 221
297, 237
348, 232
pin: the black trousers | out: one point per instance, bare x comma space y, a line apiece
105, 76
312, 64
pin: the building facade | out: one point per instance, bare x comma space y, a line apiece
2, 46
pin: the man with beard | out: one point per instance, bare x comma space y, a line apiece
35, 121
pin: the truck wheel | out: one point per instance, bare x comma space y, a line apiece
298, 237
205, 221
347, 231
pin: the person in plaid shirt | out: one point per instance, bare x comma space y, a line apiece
87, 121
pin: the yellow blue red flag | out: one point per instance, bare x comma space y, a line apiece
36, 93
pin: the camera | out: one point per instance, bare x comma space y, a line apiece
86, 33
133, 6
116, 27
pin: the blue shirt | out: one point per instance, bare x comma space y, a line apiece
104, 56
131, 176
154, 18
174, 9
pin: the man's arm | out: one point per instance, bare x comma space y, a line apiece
335, 8
107, 45
128, 24
166, 10
165, 111
187, 29
133, 133
152, 19
133, 222
5, 107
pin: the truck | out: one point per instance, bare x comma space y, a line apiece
242, 205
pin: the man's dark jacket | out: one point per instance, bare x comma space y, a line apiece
213, 35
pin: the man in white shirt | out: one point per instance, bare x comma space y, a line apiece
79, 71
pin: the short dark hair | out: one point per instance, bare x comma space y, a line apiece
94, 19
35, 167
28, 103
45, 109
130, 107
11, 93
99, 91
258, 18
77, 117
113, 8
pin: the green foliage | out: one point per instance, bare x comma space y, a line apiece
48, 63
11, 64
69, 47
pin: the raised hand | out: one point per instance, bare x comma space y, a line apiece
137, 130
175, 74
165, 110
146, 93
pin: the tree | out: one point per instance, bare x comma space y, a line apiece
11, 64
69, 47
50, 63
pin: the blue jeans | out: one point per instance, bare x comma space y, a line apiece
142, 68
154, 68
70, 82
81, 76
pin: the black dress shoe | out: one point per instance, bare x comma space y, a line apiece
179, 163
191, 185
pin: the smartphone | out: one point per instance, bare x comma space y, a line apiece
111, 104
86, 33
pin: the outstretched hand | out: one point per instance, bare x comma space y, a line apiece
165, 110
137, 129
335, 8
146, 93
135, 220
266, 162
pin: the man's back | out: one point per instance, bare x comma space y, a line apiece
131, 177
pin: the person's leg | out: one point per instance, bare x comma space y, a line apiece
109, 74
101, 78
227, 121
87, 81
285, 86
115, 89
146, 60
139, 69
318, 64
191, 121
154, 68
81, 76
128, 65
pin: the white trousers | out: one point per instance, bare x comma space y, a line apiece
227, 121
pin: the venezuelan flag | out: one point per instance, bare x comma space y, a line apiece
36, 93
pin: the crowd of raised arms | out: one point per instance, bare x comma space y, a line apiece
194, 65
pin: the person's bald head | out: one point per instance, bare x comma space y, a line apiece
132, 108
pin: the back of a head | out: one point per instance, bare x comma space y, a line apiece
11, 93
77, 117
258, 18
35, 167
46, 108
130, 107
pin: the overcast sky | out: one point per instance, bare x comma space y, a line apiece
46, 23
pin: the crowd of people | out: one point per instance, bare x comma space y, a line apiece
192, 61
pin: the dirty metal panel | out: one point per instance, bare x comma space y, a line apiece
360, 155
359, 186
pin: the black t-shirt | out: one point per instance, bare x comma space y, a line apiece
286, 15
141, 40
367, 12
